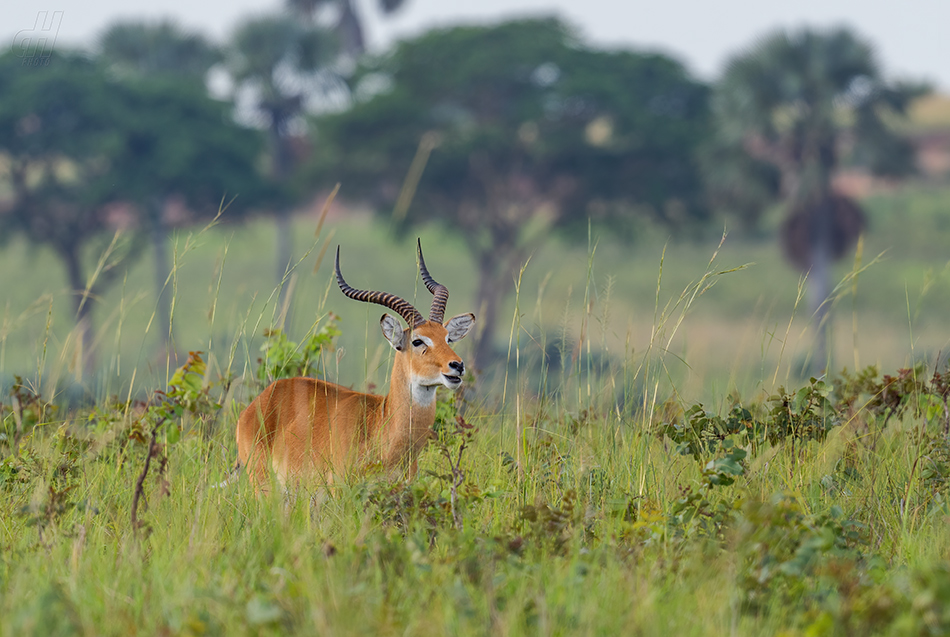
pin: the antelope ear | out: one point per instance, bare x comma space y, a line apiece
459, 326
393, 332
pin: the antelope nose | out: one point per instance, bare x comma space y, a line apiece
458, 366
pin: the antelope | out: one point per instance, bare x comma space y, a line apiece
304, 428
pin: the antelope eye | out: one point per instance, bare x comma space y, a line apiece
418, 343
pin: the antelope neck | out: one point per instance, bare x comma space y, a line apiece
422, 396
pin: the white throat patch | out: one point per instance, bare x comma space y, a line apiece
423, 395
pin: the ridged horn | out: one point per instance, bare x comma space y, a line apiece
393, 302
441, 293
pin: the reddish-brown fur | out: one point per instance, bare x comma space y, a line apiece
305, 429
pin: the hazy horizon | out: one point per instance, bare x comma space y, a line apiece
909, 40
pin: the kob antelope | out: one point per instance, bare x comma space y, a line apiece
303, 428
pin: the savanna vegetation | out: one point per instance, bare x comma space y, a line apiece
645, 450
607, 483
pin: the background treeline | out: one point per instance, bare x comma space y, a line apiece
650, 461
501, 136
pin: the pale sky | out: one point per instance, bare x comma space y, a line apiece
912, 37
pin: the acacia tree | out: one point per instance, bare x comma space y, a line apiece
182, 146
138, 52
521, 130
78, 139
136, 48
56, 136
790, 112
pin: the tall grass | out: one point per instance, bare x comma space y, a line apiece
581, 510
738, 331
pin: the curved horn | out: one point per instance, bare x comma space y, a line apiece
393, 302
440, 291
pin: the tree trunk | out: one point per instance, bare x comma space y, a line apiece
158, 235
82, 309
819, 285
494, 284
282, 168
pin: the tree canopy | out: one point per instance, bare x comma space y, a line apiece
180, 142
134, 48
505, 132
56, 144
78, 139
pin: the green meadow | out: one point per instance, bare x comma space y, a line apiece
645, 458
889, 307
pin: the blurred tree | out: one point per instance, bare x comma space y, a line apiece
528, 131
280, 67
57, 135
137, 48
790, 112
77, 140
184, 160
140, 50
347, 23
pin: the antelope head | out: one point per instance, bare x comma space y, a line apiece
424, 348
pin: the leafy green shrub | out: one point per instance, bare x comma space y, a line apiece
549, 527
724, 470
927, 400
58, 475
698, 515
782, 546
187, 400
864, 599
27, 409
284, 358
935, 470
701, 433
808, 414
408, 507
892, 396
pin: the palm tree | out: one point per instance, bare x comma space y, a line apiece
279, 65
791, 111
348, 25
